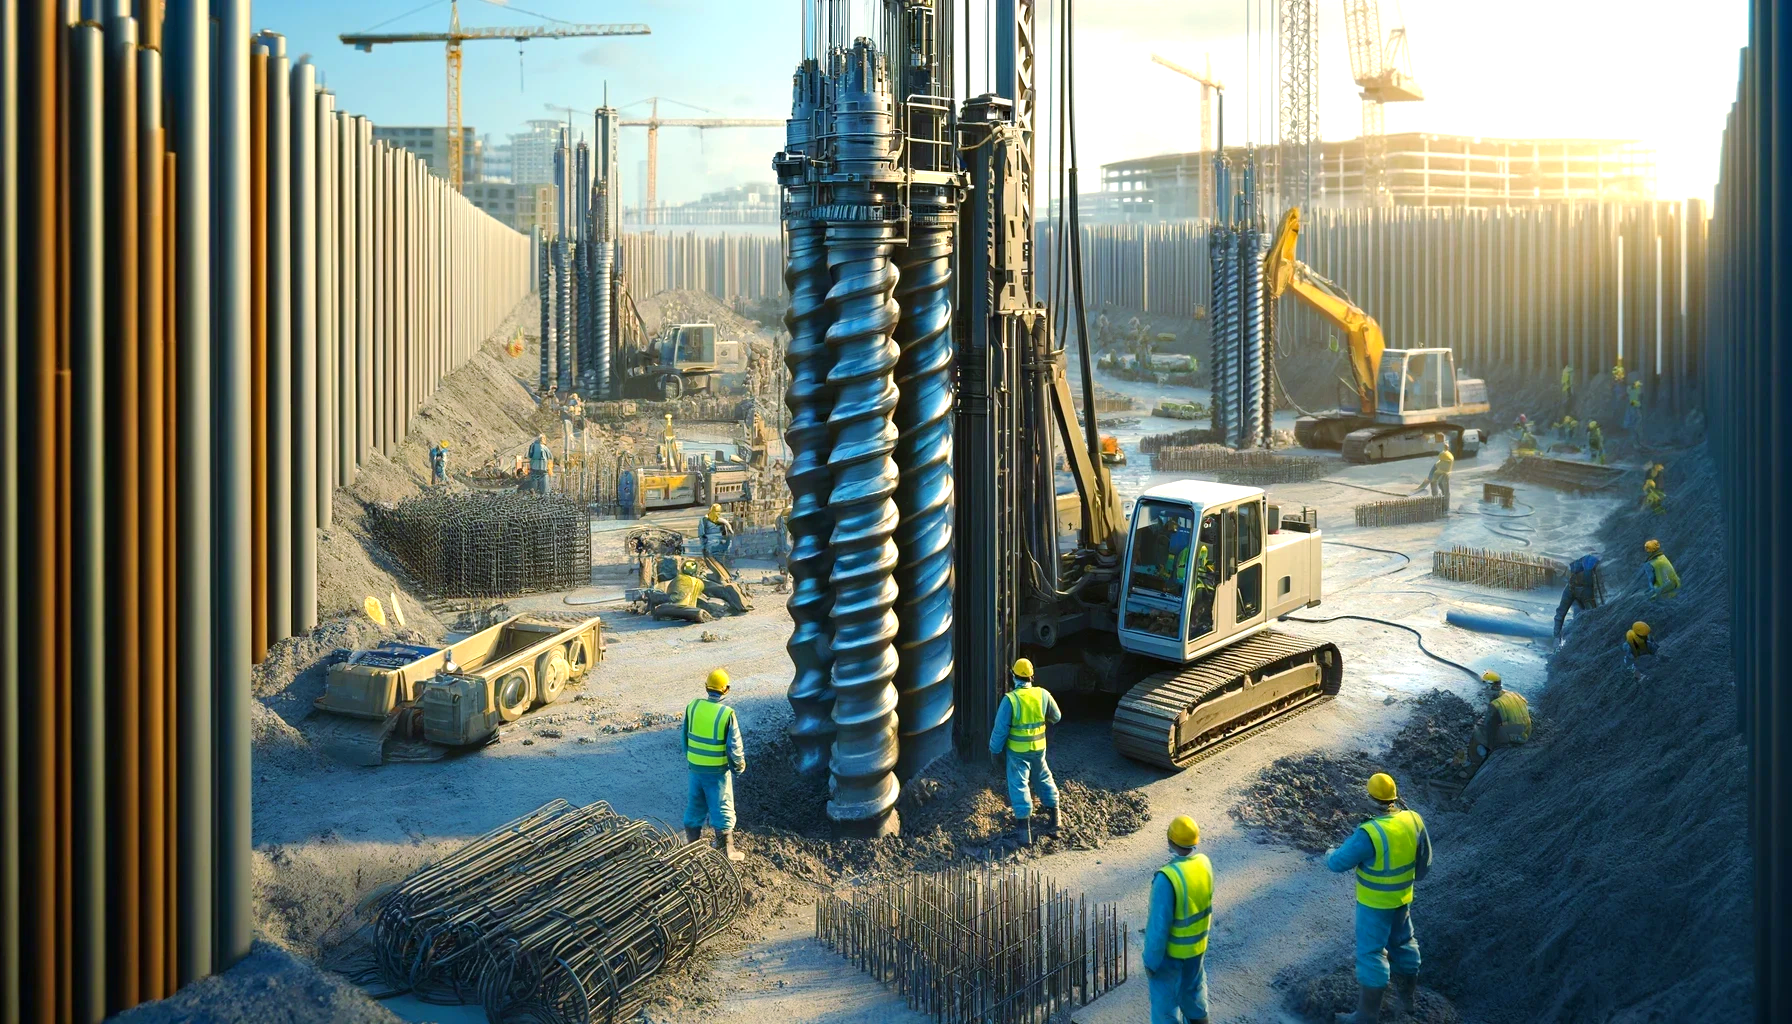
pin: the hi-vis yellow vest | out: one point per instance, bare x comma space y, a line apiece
1026, 719
1191, 883
1515, 716
1667, 581
706, 734
1386, 883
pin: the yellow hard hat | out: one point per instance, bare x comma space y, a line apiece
1652, 545
692, 568
1640, 628
1591, 424
1381, 787
1184, 832
715, 508
717, 681
1023, 668
1490, 676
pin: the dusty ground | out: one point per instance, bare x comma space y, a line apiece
326, 834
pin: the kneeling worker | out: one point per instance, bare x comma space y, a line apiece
1388, 852
1507, 723
1637, 646
714, 755
1020, 727
1176, 934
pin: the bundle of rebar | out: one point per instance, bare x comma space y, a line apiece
1562, 474
1507, 570
980, 944
486, 544
1154, 443
1239, 467
1400, 511
557, 916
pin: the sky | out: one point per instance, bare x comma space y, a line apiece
1659, 71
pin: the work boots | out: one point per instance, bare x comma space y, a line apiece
1368, 1007
691, 835
1051, 819
1023, 830
1406, 993
725, 843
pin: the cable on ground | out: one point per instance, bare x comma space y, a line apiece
1471, 673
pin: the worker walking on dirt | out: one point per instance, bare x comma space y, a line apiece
1652, 496
1633, 409
438, 464
1595, 442
714, 755
1637, 645
715, 535
1584, 591
1439, 478
1021, 719
1658, 573
1176, 932
541, 464
1388, 852
1567, 390
1618, 380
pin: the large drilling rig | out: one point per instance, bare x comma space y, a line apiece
929, 404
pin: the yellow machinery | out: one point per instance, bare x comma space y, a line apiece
1407, 400
680, 360
450, 696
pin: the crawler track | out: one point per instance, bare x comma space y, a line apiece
1177, 717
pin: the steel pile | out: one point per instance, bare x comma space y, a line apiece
485, 544
1401, 511
1503, 569
980, 944
1240, 467
558, 916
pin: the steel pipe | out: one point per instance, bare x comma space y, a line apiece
281, 402
307, 477
11, 638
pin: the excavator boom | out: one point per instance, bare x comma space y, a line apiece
1283, 273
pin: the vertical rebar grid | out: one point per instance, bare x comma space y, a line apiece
861, 304
980, 945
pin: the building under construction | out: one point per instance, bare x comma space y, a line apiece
1418, 169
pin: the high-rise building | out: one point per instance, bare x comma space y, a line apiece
532, 153
430, 144
498, 161
520, 206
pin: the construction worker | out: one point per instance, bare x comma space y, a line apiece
438, 464
1567, 390
715, 535
1508, 719
1618, 380
566, 427
1388, 852
551, 401
1527, 441
1637, 645
784, 540
1439, 478
1521, 426
1633, 410
1652, 496
1584, 591
1658, 572
713, 755
1021, 719
1595, 442
1176, 932
541, 464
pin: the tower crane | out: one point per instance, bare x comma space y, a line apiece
654, 122
455, 36
1210, 87
1382, 69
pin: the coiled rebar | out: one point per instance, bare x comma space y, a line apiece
924, 495
1250, 394
810, 399
862, 428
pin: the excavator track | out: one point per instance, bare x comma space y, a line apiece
1389, 443
1179, 716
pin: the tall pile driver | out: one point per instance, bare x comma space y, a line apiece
1407, 400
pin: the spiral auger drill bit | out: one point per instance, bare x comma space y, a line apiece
861, 244
924, 491
603, 274
1250, 416
563, 315
810, 398
544, 284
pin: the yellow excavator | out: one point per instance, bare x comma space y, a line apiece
1408, 401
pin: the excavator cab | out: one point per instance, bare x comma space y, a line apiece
1194, 576
1419, 385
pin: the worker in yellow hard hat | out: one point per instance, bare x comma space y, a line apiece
1658, 573
1638, 644
1595, 442
1019, 734
438, 464
1439, 477
1507, 722
715, 535
1652, 497
1176, 932
1388, 853
713, 756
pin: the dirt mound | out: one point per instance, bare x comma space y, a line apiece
1313, 801
683, 306
270, 986
1573, 840
1336, 993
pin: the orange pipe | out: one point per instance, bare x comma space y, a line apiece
65, 558
258, 357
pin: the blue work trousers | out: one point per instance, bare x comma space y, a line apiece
714, 792
1025, 771
1381, 936
1178, 990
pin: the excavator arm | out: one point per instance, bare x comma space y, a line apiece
1282, 273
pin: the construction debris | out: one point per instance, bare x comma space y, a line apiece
558, 916
482, 544
1563, 474
977, 944
1255, 467
1400, 511
1180, 410
1507, 570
